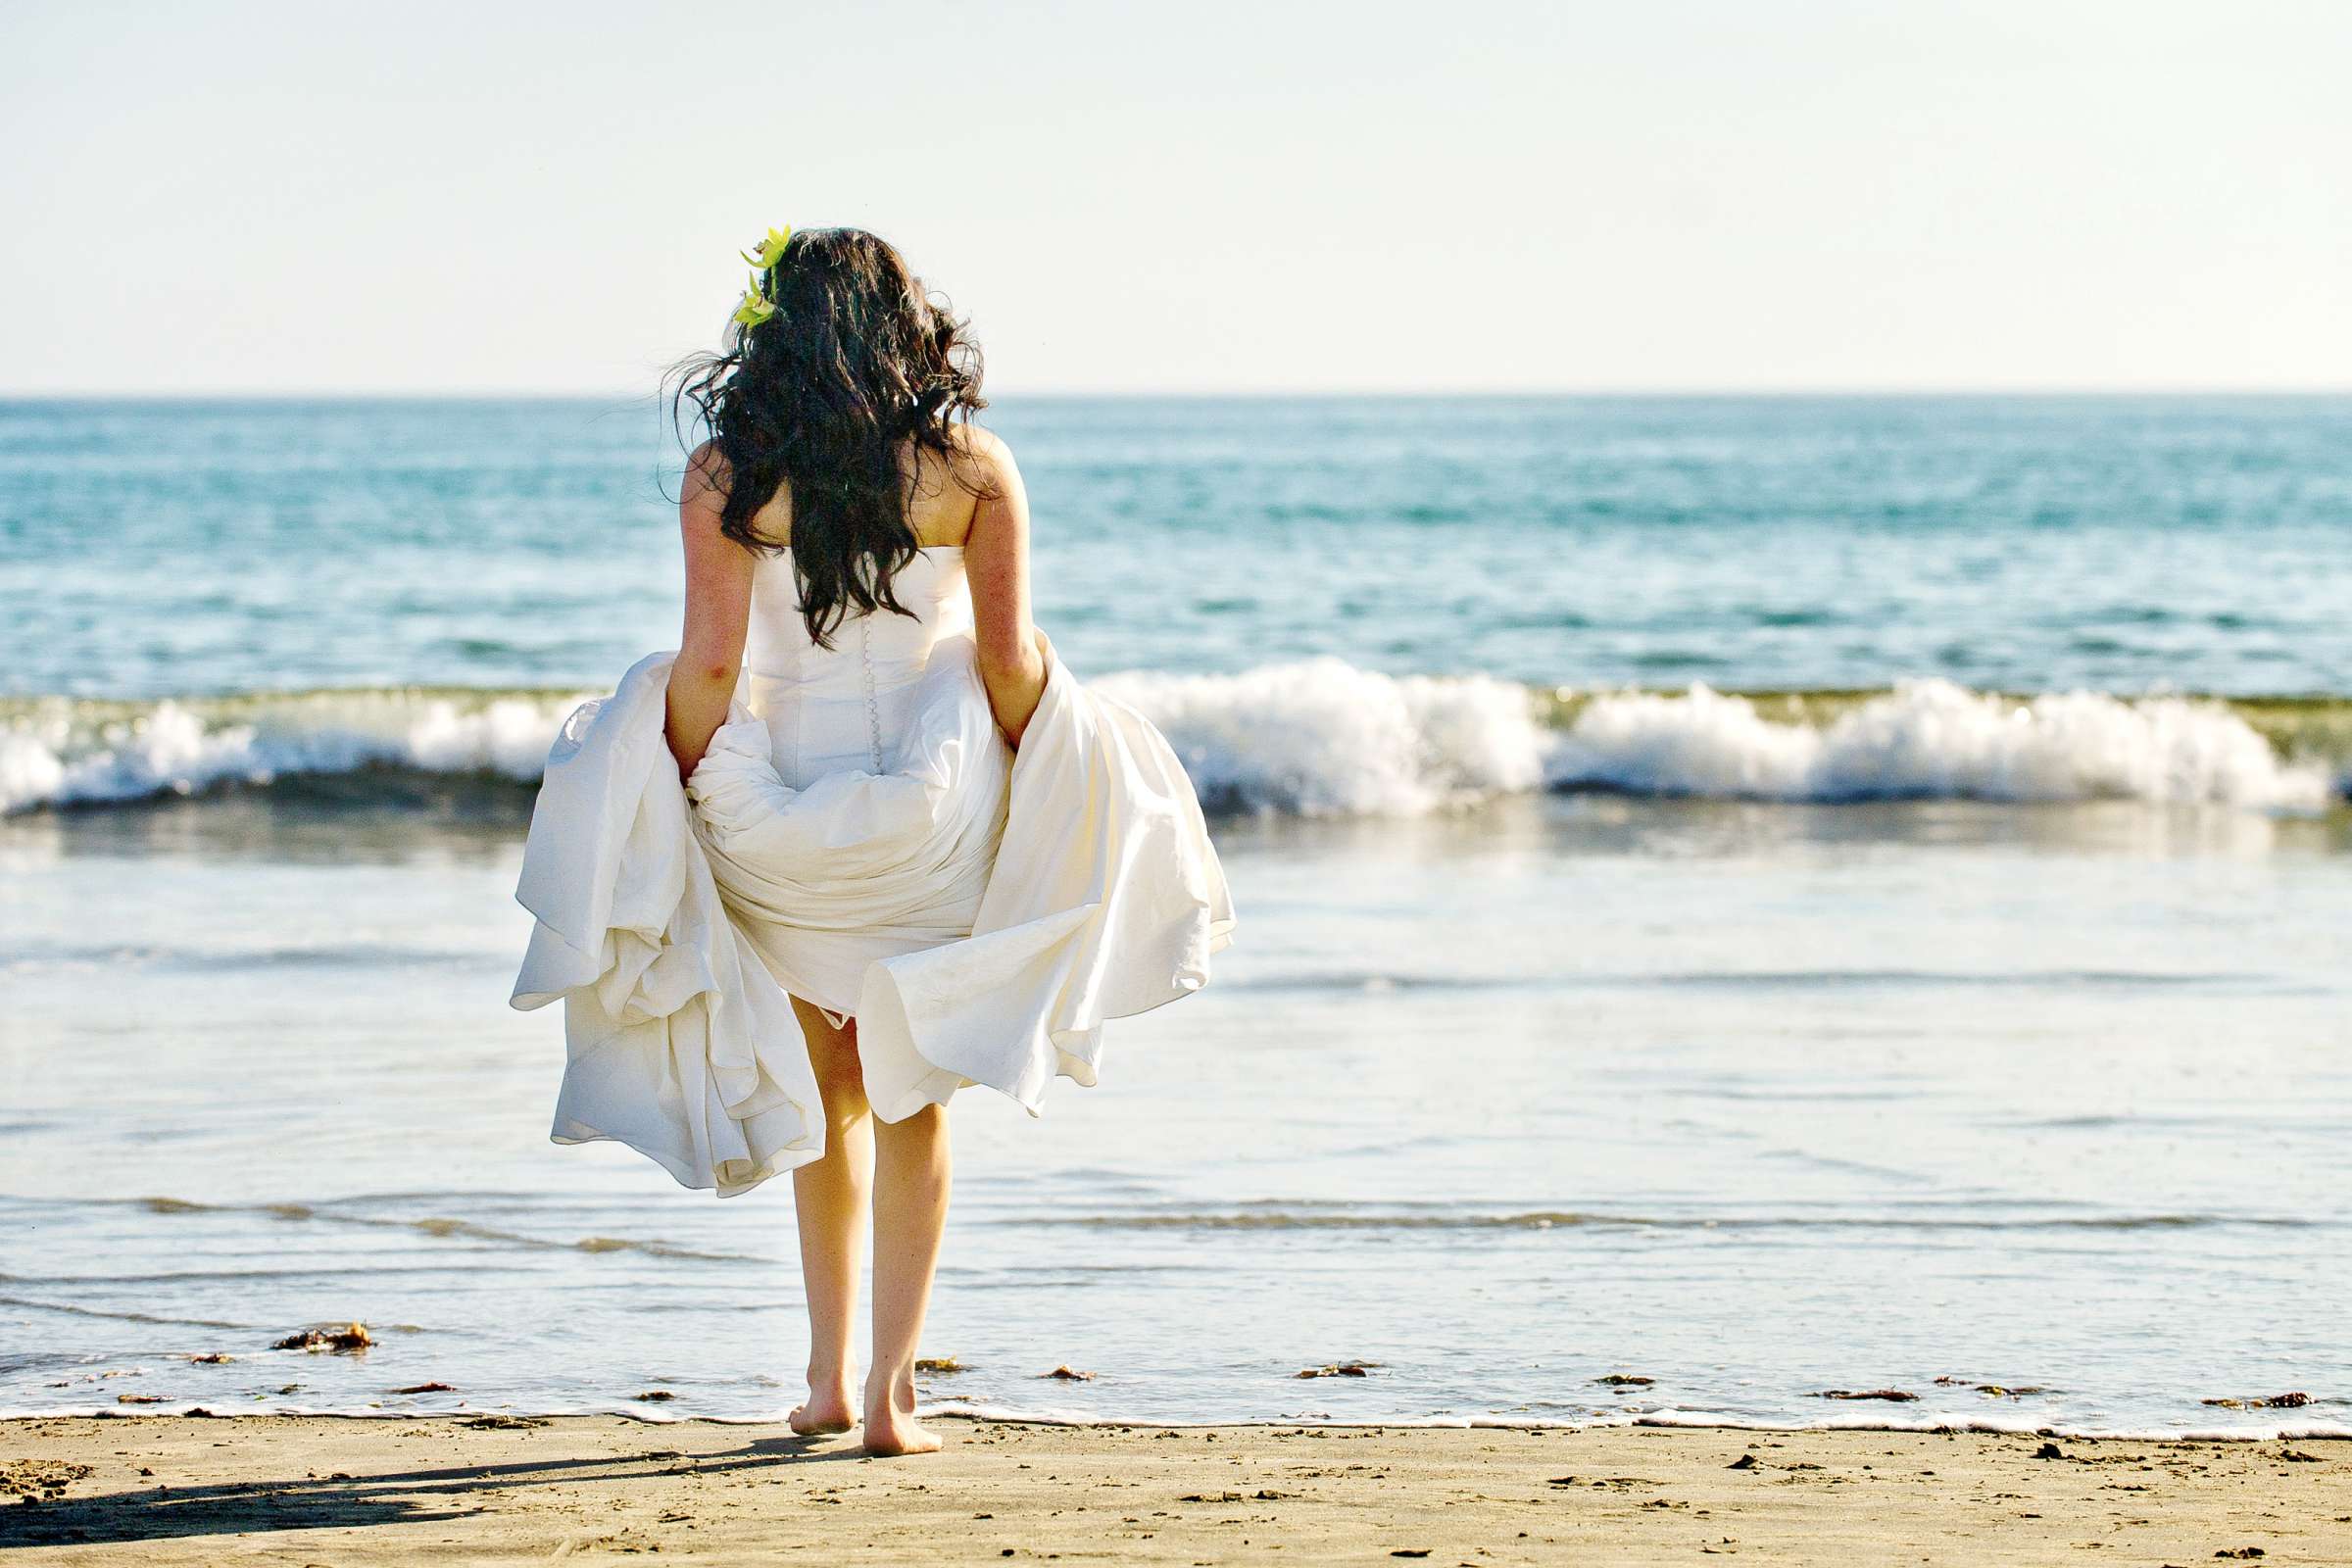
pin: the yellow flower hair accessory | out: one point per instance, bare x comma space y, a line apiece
758, 303
771, 249
757, 306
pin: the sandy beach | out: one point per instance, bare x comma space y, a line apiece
311, 1489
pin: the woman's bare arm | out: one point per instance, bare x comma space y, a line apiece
719, 608
996, 556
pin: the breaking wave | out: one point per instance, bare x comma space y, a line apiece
1320, 738
57, 752
1325, 737
1935, 740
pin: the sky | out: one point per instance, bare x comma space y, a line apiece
1670, 195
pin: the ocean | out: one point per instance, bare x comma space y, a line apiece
1744, 900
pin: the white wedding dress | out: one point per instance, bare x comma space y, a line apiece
852, 803
859, 835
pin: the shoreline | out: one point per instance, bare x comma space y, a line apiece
988, 1413
392, 1487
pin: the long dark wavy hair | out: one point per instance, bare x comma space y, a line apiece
824, 397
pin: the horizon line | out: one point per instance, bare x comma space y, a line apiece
1196, 394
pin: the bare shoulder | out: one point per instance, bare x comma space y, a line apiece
983, 459
978, 441
706, 477
702, 498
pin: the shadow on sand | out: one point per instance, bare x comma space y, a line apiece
349, 1501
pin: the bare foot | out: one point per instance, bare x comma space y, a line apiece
890, 1425
827, 1412
890, 1435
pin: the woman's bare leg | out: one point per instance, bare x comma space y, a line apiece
829, 1197
911, 1161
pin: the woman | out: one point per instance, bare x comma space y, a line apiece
854, 829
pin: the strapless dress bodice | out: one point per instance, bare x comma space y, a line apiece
847, 706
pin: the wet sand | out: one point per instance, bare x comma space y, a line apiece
313, 1489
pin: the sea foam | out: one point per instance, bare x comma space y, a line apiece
1324, 738
1932, 739
62, 753
1316, 738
